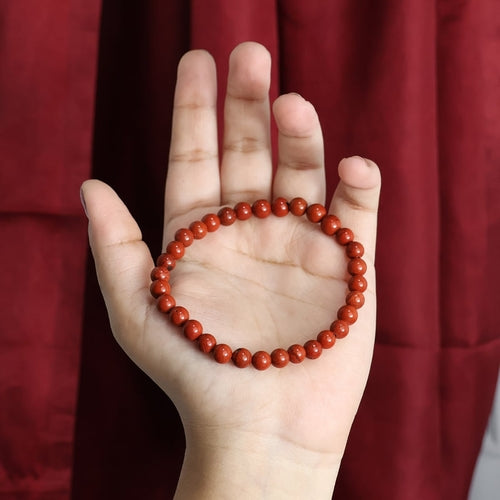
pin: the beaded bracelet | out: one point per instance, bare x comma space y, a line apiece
242, 357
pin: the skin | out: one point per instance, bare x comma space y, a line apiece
260, 284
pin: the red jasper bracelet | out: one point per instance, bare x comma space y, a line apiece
261, 360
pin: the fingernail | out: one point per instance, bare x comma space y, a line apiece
360, 158
84, 205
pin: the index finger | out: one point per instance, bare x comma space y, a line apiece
193, 170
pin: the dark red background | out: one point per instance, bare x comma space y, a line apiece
86, 90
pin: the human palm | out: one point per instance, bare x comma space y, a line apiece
260, 283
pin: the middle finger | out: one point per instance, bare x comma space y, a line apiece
246, 168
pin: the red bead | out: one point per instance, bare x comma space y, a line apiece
356, 266
179, 315
354, 249
261, 209
192, 329
166, 260
160, 273
206, 342
339, 328
212, 222
326, 338
222, 353
159, 287
348, 314
298, 206
185, 236
242, 357
165, 303
227, 216
297, 353
330, 224
280, 358
315, 212
199, 229
357, 283
313, 349
176, 249
344, 235
243, 210
355, 299
261, 360
280, 207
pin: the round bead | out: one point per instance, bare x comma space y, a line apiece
339, 328
356, 266
261, 360
222, 353
344, 235
313, 349
206, 342
212, 222
165, 303
176, 249
326, 338
297, 353
355, 299
199, 229
185, 236
298, 206
330, 224
280, 358
192, 329
354, 249
227, 216
242, 357
261, 209
166, 260
315, 212
243, 210
357, 283
179, 315
348, 314
160, 273
159, 287
280, 207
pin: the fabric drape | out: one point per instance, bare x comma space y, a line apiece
86, 90
48, 53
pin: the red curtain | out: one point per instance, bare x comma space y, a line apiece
47, 74
413, 85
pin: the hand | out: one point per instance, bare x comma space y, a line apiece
259, 284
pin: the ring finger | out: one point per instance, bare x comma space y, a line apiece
300, 169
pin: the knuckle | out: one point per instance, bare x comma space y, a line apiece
356, 205
300, 165
245, 145
195, 155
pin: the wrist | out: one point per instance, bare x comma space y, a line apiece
237, 464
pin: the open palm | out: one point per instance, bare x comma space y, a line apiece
260, 283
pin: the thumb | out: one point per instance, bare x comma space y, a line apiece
122, 259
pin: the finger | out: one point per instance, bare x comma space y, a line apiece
300, 169
122, 259
356, 200
193, 170
246, 169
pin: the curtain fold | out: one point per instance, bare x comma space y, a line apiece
413, 85
47, 79
129, 441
